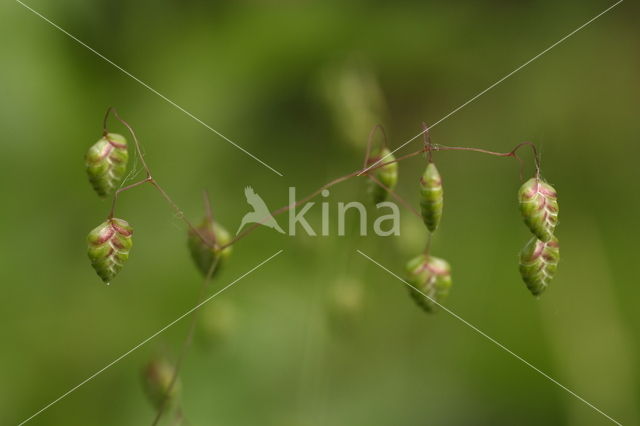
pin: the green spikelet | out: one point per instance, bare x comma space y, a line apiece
387, 175
109, 246
203, 255
539, 207
538, 263
431, 197
430, 275
156, 379
106, 163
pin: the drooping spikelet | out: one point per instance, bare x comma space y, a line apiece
432, 277
539, 207
538, 263
387, 174
106, 163
109, 245
431, 197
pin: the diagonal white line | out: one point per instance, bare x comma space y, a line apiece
190, 311
500, 345
150, 88
494, 84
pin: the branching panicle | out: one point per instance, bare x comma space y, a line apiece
210, 244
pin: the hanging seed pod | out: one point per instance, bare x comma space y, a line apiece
109, 246
156, 379
538, 263
202, 254
387, 175
432, 277
431, 197
539, 207
106, 163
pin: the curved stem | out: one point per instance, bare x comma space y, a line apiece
135, 140
178, 212
429, 147
370, 142
511, 153
125, 188
366, 171
105, 132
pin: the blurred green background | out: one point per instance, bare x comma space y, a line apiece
320, 335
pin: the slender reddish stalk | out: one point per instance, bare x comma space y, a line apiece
428, 148
135, 139
125, 188
432, 147
511, 153
149, 179
376, 128
427, 142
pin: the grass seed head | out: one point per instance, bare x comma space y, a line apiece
539, 207
431, 197
108, 247
387, 175
538, 263
106, 163
432, 277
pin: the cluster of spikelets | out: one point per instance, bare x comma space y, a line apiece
430, 277
539, 257
109, 245
110, 242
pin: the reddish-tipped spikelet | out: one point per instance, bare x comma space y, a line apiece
539, 207
387, 174
106, 163
109, 245
431, 197
431, 276
538, 263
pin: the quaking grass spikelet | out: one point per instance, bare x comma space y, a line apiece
538, 263
108, 247
387, 174
106, 163
432, 277
539, 207
431, 197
